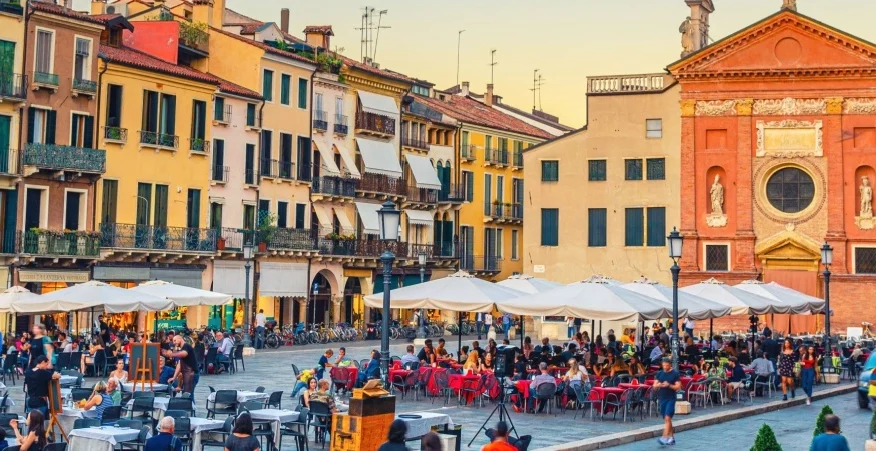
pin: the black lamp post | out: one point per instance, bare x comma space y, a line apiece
421, 328
248, 252
827, 260
388, 221
675, 243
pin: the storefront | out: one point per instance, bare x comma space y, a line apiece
229, 277
44, 281
281, 285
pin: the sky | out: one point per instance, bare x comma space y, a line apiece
567, 40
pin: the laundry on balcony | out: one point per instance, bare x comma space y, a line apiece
424, 172
379, 157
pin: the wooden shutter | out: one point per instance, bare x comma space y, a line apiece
150, 116
635, 226
299, 216
161, 205
144, 197
596, 227
170, 126
549, 226
88, 133
31, 119
657, 226
109, 203
282, 214
285, 88
51, 125
219, 153
194, 208
302, 93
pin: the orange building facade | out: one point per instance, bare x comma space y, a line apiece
778, 151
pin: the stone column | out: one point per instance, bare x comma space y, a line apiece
833, 150
336, 308
744, 245
689, 214
302, 310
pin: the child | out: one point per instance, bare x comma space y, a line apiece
303, 379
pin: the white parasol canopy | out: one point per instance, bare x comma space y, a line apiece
529, 284
599, 278
741, 302
14, 294
590, 299
181, 295
798, 302
697, 307
459, 292
92, 294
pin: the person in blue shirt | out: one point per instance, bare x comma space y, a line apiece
324, 363
831, 439
372, 371
165, 440
167, 373
737, 376
667, 382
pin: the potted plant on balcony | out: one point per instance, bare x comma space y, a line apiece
220, 242
114, 133
198, 145
266, 231
42, 240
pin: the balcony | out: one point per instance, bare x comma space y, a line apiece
198, 145
453, 193
65, 158
305, 173
320, 121
13, 86
445, 249
378, 185
467, 152
360, 248
276, 169
56, 243
222, 116
510, 213
496, 157
45, 79
341, 127
517, 160
154, 238
11, 7
423, 196
253, 119
194, 36
328, 186
159, 140
480, 264
625, 84
414, 251
87, 87
375, 124
219, 174
232, 240
115, 134
292, 240
414, 143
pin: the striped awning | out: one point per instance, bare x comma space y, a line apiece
326, 154
379, 157
419, 217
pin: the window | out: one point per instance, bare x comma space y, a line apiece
656, 168
249, 168
34, 203
215, 215
82, 61
654, 128
317, 102
285, 89
41, 126
500, 246
633, 170
420, 90
302, 93
268, 85
199, 125
74, 217
219, 161
282, 214
114, 106
656, 226
635, 227
515, 238
299, 215
488, 142
161, 205
596, 171
249, 217
468, 181
790, 190
82, 131
717, 257
250, 115
596, 227
219, 109
159, 117
265, 163
304, 158
193, 208
488, 193
500, 188
550, 225
550, 171
45, 42
464, 143
144, 198
865, 260
285, 156
109, 205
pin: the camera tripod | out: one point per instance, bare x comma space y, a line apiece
503, 414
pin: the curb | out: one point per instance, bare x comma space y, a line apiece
651, 432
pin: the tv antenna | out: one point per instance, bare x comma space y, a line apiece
377, 39
537, 82
458, 47
493, 63
366, 30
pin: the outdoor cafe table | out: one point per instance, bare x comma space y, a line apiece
129, 387
102, 438
456, 382
277, 417
67, 381
599, 394
431, 386
71, 414
243, 396
200, 426
352, 375
685, 381
159, 404
418, 427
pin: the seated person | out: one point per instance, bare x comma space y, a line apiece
372, 371
427, 354
312, 387
112, 389
3, 442
164, 440
323, 395
463, 354
569, 353
343, 361
619, 367
520, 368
637, 370
537, 381
473, 364
488, 364
96, 345
409, 357
737, 376
658, 352
168, 371
99, 400
304, 378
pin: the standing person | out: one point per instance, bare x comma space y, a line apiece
188, 363
324, 363
506, 323
772, 349
689, 325
396, 437
40, 344
570, 327
667, 382
807, 373
830, 440
786, 369
164, 440
260, 329
488, 323
36, 432
479, 323
36, 383
500, 439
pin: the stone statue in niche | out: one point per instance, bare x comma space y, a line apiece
717, 218
864, 220
686, 30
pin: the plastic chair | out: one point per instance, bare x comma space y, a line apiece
130, 424
274, 400
111, 415
63, 360
181, 404
765, 381
55, 447
84, 423
237, 356
297, 429
140, 442
5, 419
75, 360
405, 383
217, 438
176, 413
183, 431
142, 409
698, 389
321, 417
224, 403
10, 362
98, 363
78, 394
340, 378
545, 393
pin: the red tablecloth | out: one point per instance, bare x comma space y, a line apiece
398, 372
523, 386
599, 394
458, 381
352, 374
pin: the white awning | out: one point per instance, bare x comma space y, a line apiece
282, 279
217, 200
368, 215
343, 219
424, 172
378, 104
379, 157
230, 277
322, 215
349, 160
327, 157
419, 217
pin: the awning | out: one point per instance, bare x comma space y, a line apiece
327, 157
419, 217
343, 219
378, 104
230, 277
282, 279
368, 215
379, 157
217, 200
424, 172
349, 160
323, 216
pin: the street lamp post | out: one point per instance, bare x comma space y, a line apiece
247, 313
675, 244
421, 329
827, 260
388, 222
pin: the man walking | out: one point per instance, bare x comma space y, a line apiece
771, 348
260, 329
188, 363
831, 439
667, 382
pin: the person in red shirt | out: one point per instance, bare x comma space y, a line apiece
500, 440
807, 372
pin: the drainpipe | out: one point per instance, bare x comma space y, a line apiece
97, 137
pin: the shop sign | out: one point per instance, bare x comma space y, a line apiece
53, 276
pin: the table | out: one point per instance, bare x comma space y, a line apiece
99, 438
71, 414
159, 404
600, 393
277, 417
243, 396
457, 381
129, 387
200, 426
67, 381
418, 427
352, 375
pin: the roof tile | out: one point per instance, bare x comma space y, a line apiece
235, 89
469, 110
52, 8
135, 58
264, 46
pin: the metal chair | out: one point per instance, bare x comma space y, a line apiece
260, 389
405, 383
545, 393
321, 418
5, 419
78, 394
84, 423
473, 386
340, 379
217, 438
442, 383
210, 358
140, 442
698, 389
747, 388
130, 424
55, 447
412, 366
183, 431
623, 402
297, 429
111, 415
582, 399
10, 363
176, 413
765, 381
224, 403
181, 404
717, 386
237, 356
422, 382
142, 409
75, 361
63, 360
98, 363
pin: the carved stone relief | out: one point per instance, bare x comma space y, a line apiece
789, 138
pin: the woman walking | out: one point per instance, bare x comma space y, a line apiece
786, 369
807, 373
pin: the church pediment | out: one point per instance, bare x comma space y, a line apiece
788, 245
785, 43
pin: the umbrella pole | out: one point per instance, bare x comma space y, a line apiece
711, 331
459, 334
592, 330
522, 329
600, 327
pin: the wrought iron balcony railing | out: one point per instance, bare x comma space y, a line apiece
509, 212
292, 239
278, 169
45, 78
320, 120
199, 145
249, 176
12, 86
220, 174
445, 249
159, 139
468, 152
65, 158
376, 123
415, 143
146, 237
233, 239
453, 192
61, 243
496, 156
116, 134
382, 184
341, 126
422, 195
517, 160
360, 248
479, 263
88, 86
335, 186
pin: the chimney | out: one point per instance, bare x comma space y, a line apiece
202, 11
463, 91
218, 13
319, 36
98, 7
284, 20
489, 97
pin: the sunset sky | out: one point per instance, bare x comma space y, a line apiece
566, 39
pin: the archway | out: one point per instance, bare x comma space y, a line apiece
320, 299
354, 307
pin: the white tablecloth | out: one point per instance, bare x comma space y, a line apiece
200, 426
129, 387
243, 396
70, 415
159, 404
418, 427
99, 439
276, 417
67, 381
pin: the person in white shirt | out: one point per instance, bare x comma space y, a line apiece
260, 329
223, 351
488, 322
409, 357
689, 326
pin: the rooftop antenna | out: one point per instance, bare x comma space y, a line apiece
363, 34
377, 39
458, 47
493, 67
534, 86
539, 85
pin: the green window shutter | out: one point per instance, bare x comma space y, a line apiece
250, 114
657, 226
74, 130
51, 125
144, 198
219, 109
31, 118
268, 85
550, 171
170, 115
161, 205
194, 209
216, 216
109, 204
299, 215
469, 185
302, 93
88, 138
550, 226
596, 227
635, 227
282, 214
150, 118
285, 87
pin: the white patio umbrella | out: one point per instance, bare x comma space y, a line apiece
14, 294
741, 302
459, 292
799, 303
92, 294
697, 307
529, 284
181, 295
599, 278
589, 299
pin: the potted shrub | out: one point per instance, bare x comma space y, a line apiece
819, 423
766, 440
266, 231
